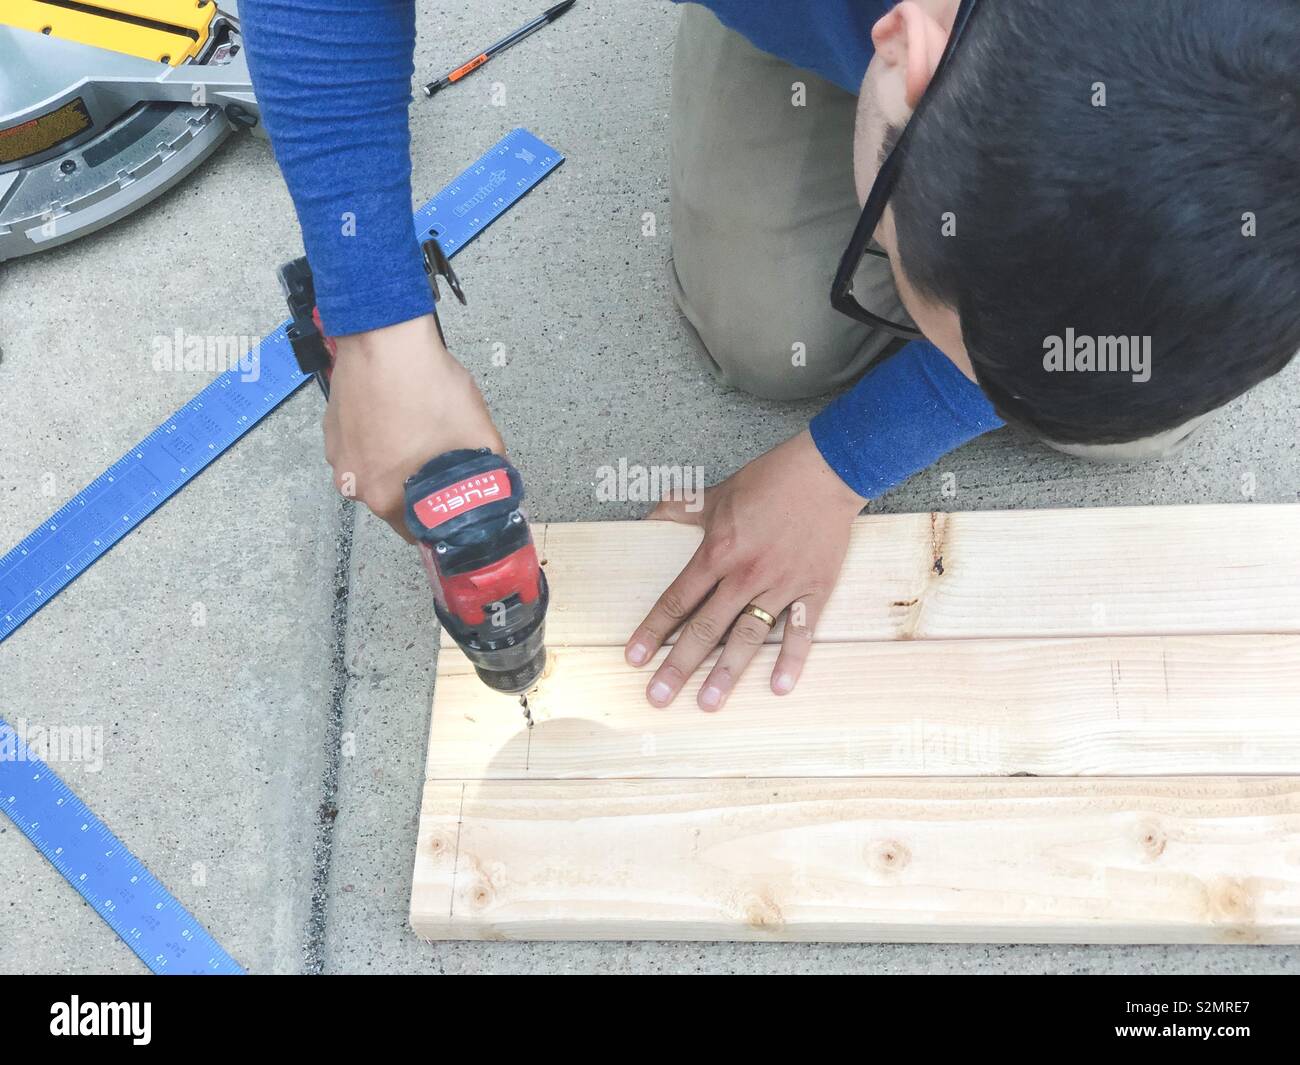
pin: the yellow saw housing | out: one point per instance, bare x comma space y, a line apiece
165, 31
106, 104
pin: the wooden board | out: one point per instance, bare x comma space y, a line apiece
1089, 572
1131, 705
1138, 662
1031, 861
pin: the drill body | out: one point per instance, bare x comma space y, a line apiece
465, 510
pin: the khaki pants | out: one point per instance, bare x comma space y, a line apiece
763, 204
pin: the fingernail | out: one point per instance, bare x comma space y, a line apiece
784, 682
638, 653
710, 696
660, 691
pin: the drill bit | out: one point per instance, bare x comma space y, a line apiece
528, 714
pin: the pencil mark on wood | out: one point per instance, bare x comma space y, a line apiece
455, 865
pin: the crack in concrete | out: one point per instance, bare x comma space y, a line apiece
323, 848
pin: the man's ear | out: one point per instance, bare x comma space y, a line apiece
910, 41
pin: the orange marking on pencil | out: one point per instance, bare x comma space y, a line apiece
472, 65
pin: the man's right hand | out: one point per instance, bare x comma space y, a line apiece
398, 399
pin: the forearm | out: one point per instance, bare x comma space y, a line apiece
333, 81
899, 419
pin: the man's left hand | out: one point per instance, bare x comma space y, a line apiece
775, 535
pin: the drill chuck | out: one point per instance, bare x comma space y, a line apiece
514, 671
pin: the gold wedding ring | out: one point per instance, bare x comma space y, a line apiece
755, 611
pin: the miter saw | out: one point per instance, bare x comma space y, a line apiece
105, 104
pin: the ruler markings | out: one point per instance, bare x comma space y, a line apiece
112, 880
102, 513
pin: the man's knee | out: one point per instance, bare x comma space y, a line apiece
776, 349
756, 228
779, 359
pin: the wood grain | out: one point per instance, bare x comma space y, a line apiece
1086, 572
1195, 860
1113, 653
1123, 705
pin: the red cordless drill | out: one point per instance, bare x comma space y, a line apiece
465, 509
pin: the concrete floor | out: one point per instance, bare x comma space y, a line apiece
223, 768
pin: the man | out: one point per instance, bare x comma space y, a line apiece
1087, 210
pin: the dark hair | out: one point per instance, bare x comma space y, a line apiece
1128, 219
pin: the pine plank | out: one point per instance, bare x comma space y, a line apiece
1075, 707
1113, 653
1084, 572
1199, 860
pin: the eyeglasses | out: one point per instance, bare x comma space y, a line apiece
842, 297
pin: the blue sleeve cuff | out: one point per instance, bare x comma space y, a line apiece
902, 416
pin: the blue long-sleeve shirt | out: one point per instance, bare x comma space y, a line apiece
337, 117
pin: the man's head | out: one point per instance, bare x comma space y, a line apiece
1084, 173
